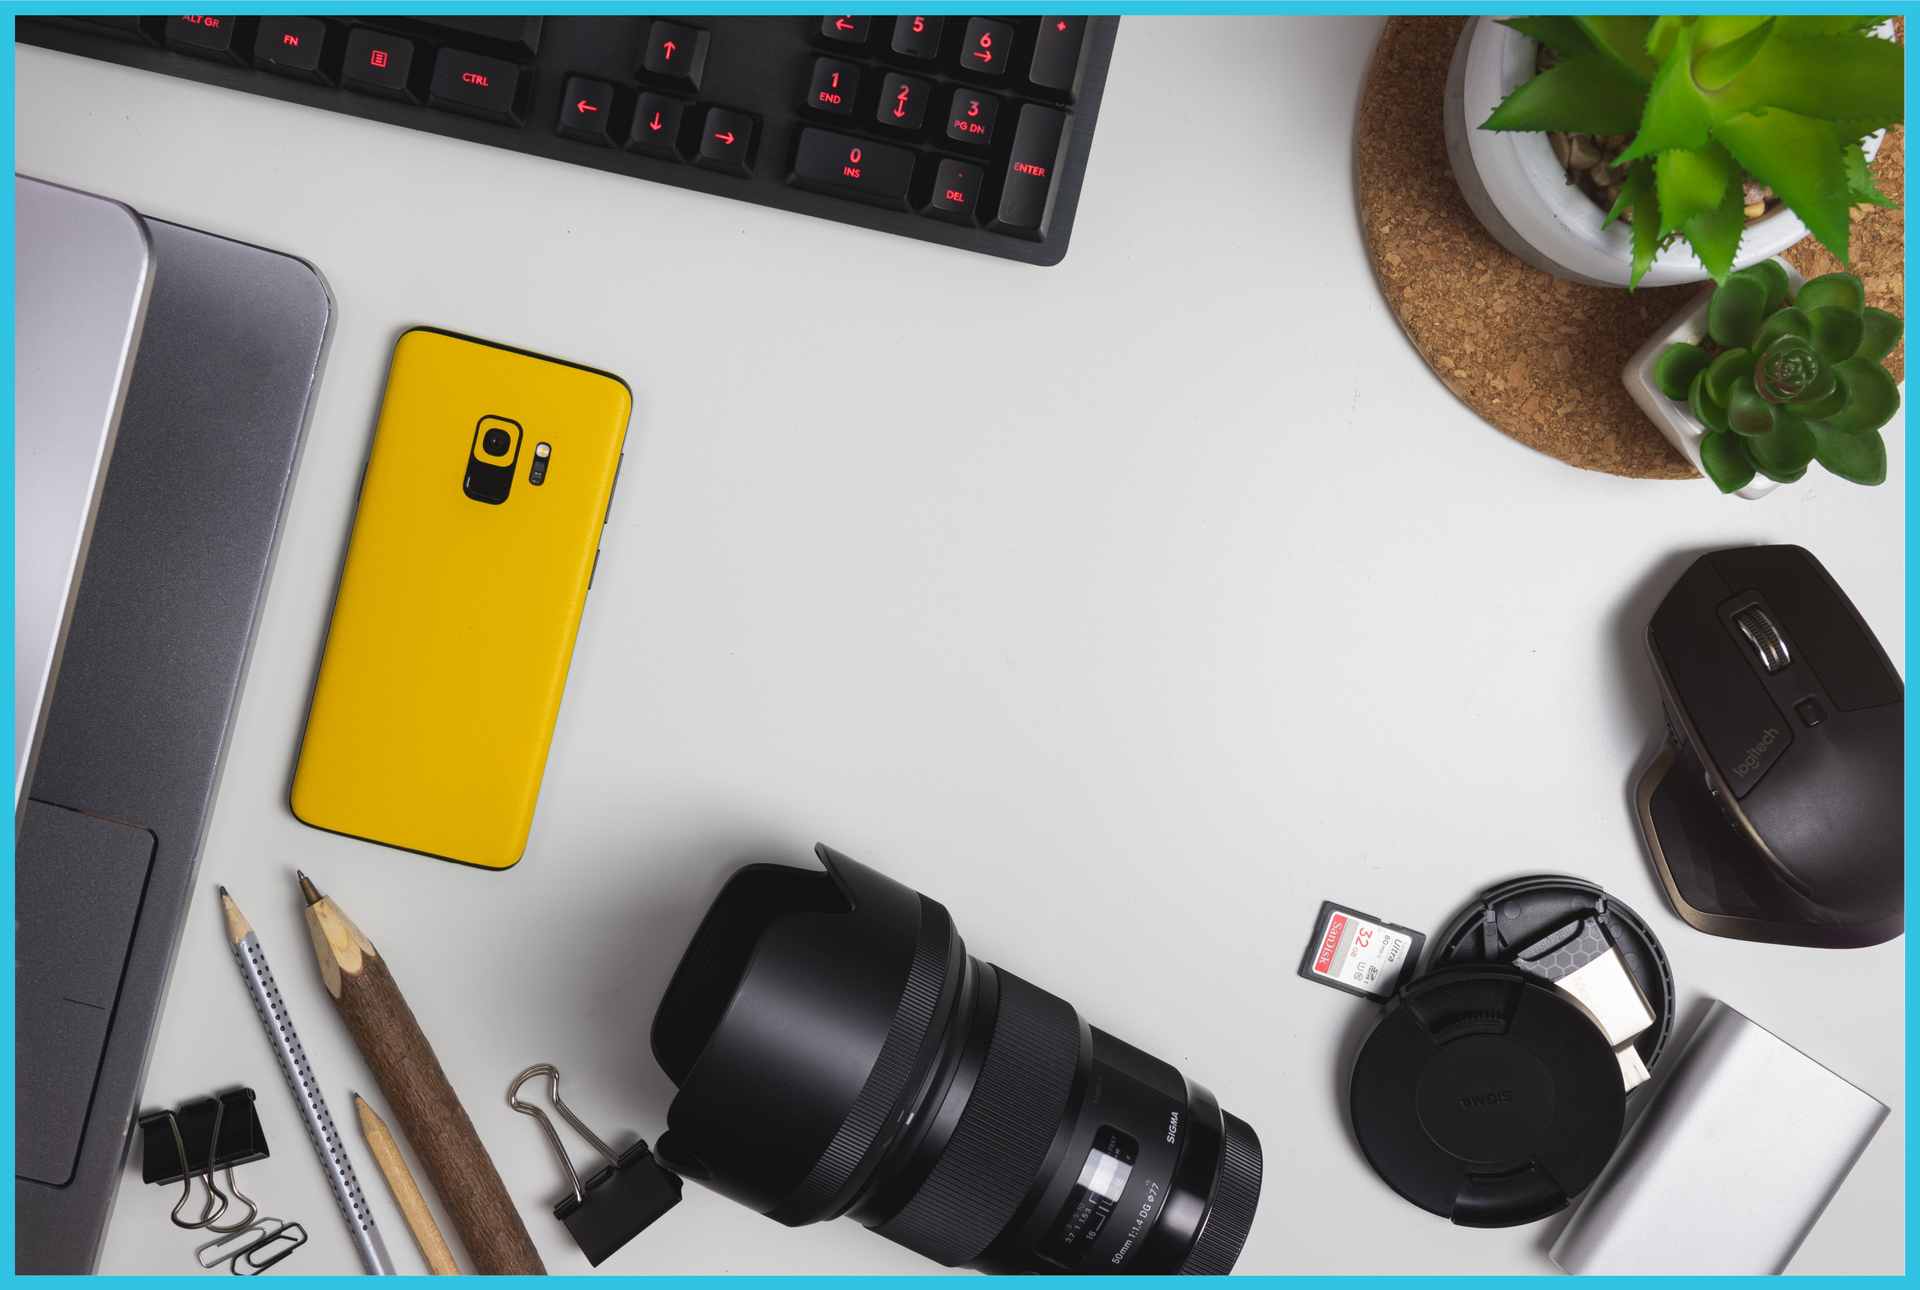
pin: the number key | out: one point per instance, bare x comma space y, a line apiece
971, 118
833, 86
845, 29
987, 48
903, 102
917, 37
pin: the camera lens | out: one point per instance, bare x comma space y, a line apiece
837, 1051
496, 442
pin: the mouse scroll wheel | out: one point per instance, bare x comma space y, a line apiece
1764, 637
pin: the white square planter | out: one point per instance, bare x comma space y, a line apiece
1676, 422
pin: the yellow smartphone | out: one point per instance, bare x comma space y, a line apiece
474, 544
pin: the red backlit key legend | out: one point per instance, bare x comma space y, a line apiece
377, 63
971, 118
833, 87
656, 127
586, 111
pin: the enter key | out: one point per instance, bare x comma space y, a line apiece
1039, 149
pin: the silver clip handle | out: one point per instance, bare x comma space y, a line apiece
553, 1135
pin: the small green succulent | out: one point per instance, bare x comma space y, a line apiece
1784, 383
1785, 100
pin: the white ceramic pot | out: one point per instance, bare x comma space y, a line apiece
1679, 425
1519, 190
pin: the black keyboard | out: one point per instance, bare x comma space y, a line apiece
971, 132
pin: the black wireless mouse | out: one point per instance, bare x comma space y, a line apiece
1776, 810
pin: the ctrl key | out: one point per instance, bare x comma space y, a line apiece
857, 169
956, 192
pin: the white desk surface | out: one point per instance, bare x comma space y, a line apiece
1129, 607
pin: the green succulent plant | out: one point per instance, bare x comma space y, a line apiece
1787, 100
1787, 382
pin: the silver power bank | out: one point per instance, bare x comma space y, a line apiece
1775, 1131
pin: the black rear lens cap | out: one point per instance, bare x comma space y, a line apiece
1486, 1098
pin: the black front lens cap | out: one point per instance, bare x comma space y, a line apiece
1526, 909
1484, 1097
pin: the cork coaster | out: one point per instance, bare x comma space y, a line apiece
1538, 357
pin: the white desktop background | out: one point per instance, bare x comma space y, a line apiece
1130, 608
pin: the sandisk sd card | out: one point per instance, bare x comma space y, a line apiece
1359, 953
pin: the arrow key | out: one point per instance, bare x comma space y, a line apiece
656, 127
676, 56
844, 30
903, 102
584, 110
726, 143
987, 48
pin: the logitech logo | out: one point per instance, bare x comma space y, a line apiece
1755, 753
1487, 1099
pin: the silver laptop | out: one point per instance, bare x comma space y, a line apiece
82, 269
110, 832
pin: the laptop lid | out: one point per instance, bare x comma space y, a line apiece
82, 271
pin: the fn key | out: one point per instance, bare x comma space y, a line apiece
1033, 171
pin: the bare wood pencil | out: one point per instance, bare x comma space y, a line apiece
413, 1205
409, 1075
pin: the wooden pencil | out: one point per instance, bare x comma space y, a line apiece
409, 1075
413, 1205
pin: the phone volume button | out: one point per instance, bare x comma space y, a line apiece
612, 490
594, 570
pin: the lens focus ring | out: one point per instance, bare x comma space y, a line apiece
1002, 1138
1235, 1196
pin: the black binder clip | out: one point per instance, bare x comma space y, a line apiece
196, 1140
616, 1204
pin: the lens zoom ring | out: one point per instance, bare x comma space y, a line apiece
889, 1074
1003, 1135
1235, 1197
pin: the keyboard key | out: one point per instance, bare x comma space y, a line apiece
903, 102
956, 191
1060, 57
917, 37
292, 47
586, 109
875, 173
515, 37
656, 127
970, 120
1039, 145
124, 25
206, 36
675, 56
987, 48
475, 85
846, 30
833, 86
726, 143
379, 64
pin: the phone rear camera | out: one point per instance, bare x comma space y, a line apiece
496, 442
